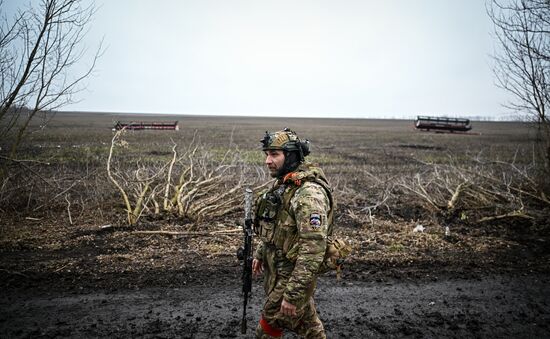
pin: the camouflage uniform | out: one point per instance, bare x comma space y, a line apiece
293, 220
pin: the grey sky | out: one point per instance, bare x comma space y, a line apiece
294, 58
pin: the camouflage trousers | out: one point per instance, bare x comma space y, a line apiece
306, 323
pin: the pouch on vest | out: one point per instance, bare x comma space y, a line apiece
336, 253
266, 214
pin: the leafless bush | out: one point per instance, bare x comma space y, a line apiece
362, 200
478, 192
195, 183
472, 191
40, 188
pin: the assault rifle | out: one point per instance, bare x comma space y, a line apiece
245, 253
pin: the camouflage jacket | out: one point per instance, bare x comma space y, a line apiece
293, 220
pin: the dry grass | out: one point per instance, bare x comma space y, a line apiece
364, 159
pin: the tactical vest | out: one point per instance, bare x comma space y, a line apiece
275, 222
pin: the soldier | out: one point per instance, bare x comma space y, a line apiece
293, 219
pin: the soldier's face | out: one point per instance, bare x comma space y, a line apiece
274, 160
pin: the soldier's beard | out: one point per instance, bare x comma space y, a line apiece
291, 164
273, 171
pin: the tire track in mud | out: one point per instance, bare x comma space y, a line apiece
495, 305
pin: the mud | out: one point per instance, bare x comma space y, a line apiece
494, 305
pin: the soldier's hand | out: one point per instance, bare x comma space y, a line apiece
288, 309
257, 268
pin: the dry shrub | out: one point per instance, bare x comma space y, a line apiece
480, 192
474, 192
37, 189
365, 196
195, 183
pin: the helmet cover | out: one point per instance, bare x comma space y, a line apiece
287, 141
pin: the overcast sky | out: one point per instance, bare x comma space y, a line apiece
393, 58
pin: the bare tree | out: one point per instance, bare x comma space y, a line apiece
522, 29
40, 48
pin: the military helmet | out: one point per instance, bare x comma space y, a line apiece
285, 140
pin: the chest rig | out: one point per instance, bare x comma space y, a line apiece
275, 222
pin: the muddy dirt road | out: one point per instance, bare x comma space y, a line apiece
496, 305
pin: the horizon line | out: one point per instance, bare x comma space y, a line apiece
269, 115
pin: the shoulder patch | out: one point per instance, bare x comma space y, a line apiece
315, 220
